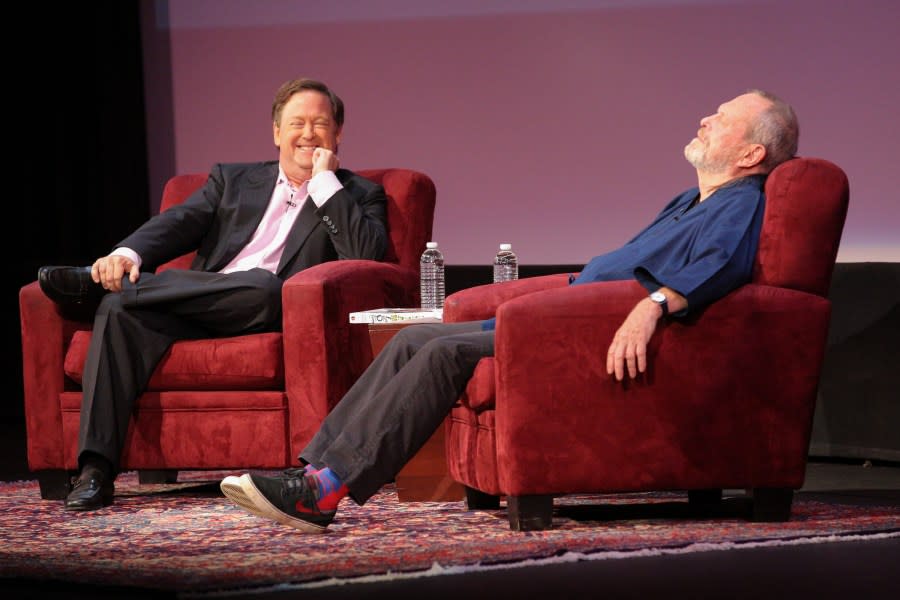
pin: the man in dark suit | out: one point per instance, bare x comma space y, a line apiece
253, 225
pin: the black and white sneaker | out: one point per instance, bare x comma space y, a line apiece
289, 500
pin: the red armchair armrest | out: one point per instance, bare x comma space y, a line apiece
322, 350
46, 335
481, 301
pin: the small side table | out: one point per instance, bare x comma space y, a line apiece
425, 477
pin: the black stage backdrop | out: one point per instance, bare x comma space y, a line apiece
77, 104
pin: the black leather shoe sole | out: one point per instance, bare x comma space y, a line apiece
69, 285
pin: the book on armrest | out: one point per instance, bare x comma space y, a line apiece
394, 315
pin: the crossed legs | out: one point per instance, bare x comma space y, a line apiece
132, 331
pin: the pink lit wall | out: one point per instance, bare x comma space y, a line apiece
557, 126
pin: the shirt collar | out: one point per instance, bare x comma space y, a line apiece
284, 181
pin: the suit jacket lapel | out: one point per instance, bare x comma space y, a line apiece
303, 226
253, 198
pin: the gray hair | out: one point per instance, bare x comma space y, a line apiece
776, 129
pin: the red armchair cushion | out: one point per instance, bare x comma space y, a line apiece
247, 362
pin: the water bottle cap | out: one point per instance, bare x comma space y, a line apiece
506, 246
431, 245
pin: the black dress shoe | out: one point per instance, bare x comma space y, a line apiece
70, 285
92, 490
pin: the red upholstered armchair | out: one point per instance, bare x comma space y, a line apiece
250, 401
727, 400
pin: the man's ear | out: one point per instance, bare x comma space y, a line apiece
276, 134
754, 155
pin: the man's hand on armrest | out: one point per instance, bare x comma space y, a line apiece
628, 350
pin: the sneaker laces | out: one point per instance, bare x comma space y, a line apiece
303, 488
293, 472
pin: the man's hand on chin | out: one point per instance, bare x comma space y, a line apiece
324, 160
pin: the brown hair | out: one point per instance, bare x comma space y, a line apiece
289, 88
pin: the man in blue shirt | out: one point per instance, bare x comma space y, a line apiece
700, 247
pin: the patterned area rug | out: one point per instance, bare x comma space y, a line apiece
187, 537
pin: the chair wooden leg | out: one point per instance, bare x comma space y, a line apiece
478, 500
772, 504
157, 476
530, 513
55, 483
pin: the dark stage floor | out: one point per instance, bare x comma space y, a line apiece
855, 570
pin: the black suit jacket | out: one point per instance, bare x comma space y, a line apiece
218, 220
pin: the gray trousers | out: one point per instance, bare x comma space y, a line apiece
134, 329
397, 404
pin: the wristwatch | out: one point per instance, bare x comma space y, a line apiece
661, 299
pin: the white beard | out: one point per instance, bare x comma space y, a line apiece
699, 156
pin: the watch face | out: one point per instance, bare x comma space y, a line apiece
658, 297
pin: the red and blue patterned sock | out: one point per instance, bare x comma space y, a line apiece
330, 489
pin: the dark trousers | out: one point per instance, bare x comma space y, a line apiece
134, 329
397, 404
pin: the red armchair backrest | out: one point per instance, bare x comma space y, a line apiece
807, 197
410, 213
411, 198
177, 189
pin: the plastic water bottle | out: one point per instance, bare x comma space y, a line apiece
506, 264
431, 273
